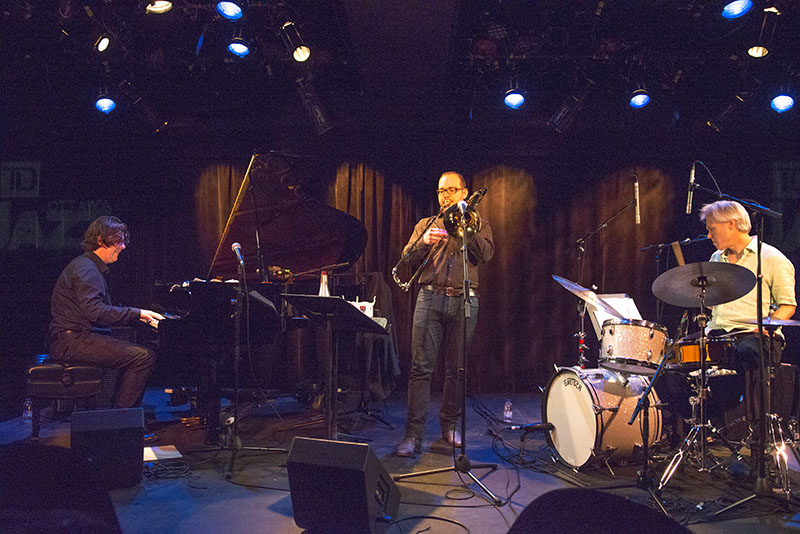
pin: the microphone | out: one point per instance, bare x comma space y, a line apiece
636, 198
691, 190
237, 249
462, 207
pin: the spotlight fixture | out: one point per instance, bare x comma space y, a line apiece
294, 42
782, 102
736, 9
102, 42
639, 98
313, 105
762, 46
562, 119
104, 103
157, 7
514, 97
231, 10
238, 47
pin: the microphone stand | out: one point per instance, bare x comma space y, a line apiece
462, 463
581, 249
761, 487
233, 442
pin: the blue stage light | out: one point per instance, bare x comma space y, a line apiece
514, 99
782, 102
230, 10
238, 47
639, 99
736, 9
105, 104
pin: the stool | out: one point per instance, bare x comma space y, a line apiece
49, 381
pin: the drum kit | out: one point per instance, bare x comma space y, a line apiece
592, 410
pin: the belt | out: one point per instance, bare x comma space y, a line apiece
450, 291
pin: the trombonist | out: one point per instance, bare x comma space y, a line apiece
439, 313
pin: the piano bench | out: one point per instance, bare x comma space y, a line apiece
50, 381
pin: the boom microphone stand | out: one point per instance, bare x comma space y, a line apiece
581, 248
462, 463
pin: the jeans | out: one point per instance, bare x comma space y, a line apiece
135, 363
438, 323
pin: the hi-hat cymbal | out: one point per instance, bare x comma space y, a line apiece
724, 282
769, 321
588, 295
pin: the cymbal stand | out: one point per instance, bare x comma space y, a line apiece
462, 464
699, 425
644, 478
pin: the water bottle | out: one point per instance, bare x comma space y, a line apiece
508, 413
27, 411
323, 285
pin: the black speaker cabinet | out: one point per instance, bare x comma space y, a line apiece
340, 487
113, 442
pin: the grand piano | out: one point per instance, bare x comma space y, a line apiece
280, 229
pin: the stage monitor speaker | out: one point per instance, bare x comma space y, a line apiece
566, 511
340, 487
113, 442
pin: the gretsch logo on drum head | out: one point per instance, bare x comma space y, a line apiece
574, 382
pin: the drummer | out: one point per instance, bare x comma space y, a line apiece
728, 225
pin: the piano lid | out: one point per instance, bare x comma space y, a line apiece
296, 232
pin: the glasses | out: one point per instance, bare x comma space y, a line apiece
450, 190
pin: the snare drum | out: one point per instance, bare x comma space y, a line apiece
590, 409
632, 346
686, 352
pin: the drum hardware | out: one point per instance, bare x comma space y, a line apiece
588, 409
704, 284
628, 346
586, 296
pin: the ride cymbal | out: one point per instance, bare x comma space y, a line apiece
724, 282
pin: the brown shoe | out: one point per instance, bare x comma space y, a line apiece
409, 446
452, 437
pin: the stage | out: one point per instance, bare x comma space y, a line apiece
192, 494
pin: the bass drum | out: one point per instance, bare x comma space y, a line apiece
590, 409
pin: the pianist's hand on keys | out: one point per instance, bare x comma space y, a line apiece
151, 318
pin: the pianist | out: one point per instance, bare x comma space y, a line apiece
83, 314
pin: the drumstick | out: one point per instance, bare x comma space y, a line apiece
676, 249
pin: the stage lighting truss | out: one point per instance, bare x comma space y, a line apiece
768, 24
157, 7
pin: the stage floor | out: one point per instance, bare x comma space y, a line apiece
193, 495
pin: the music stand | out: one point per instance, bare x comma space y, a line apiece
336, 315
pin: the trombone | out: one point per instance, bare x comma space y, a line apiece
456, 224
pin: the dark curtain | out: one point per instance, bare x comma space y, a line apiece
527, 321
